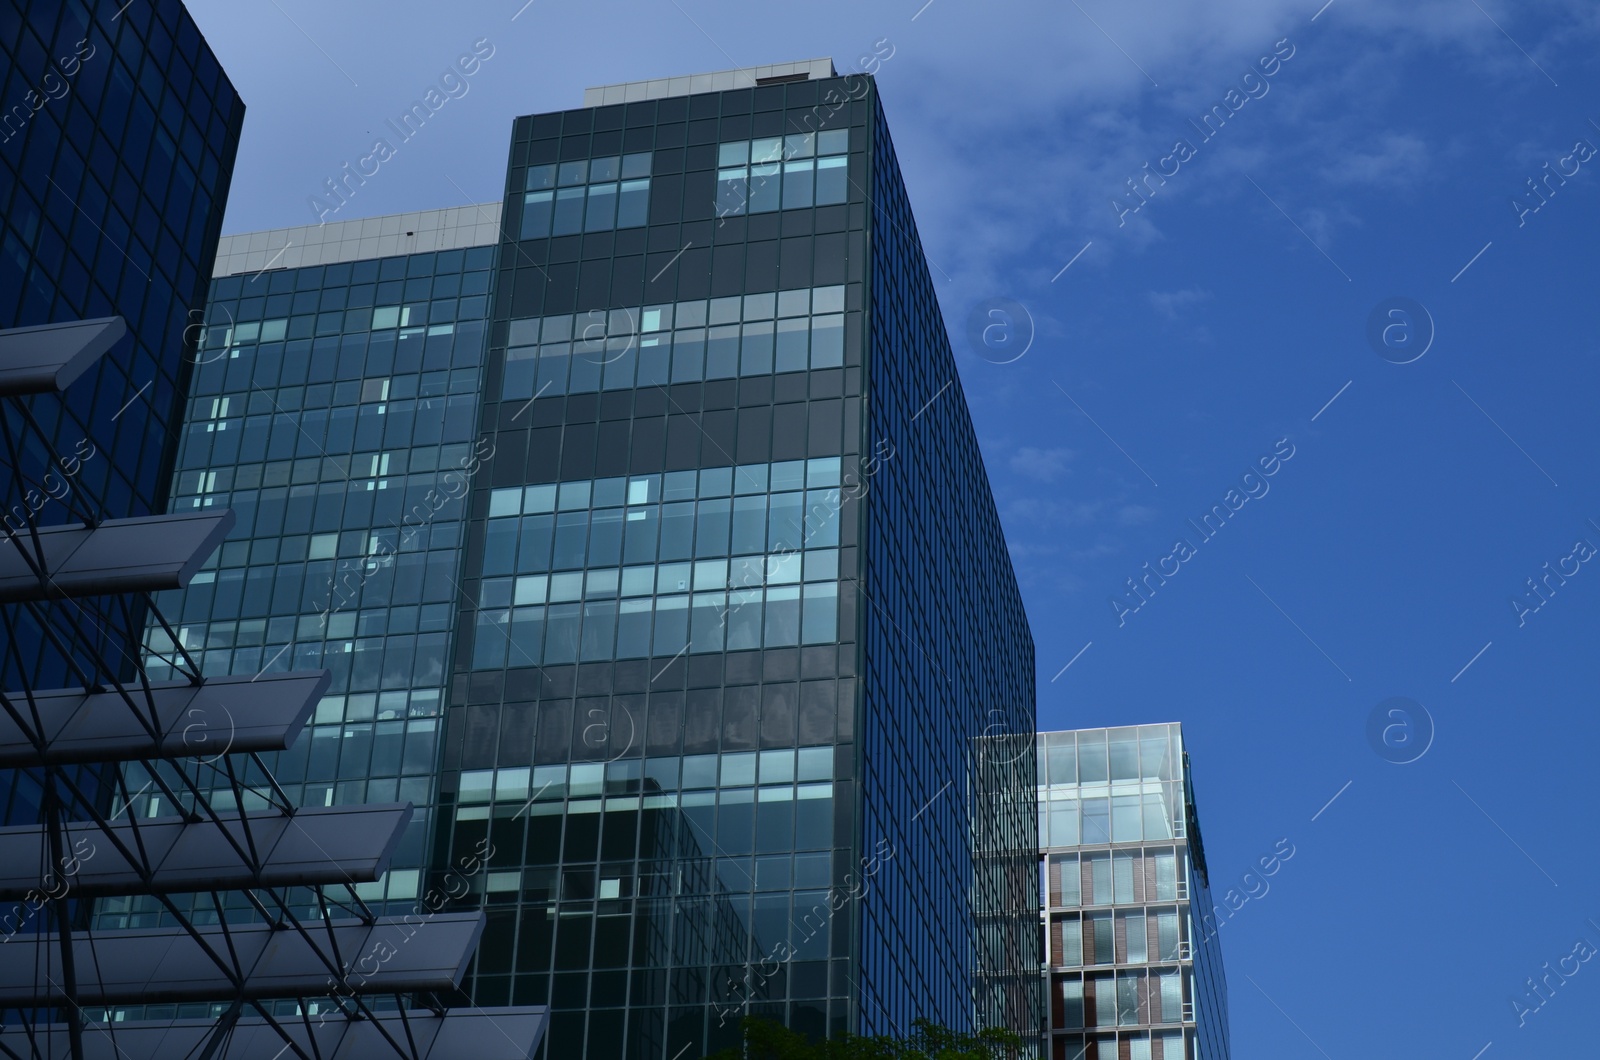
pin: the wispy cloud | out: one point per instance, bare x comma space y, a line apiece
1059, 121
1171, 304
1135, 514
1393, 160
1041, 465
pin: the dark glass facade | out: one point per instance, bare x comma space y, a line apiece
118, 132
1132, 960
947, 665
740, 641
337, 416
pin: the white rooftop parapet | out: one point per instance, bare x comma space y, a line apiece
359, 239
719, 81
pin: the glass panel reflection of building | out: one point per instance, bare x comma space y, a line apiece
334, 410
1132, 974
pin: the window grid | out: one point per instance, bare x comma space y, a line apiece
719, 338
676, 594
783, 172
333, 449
589, 195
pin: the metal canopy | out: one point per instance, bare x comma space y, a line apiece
140, 555
295, 956
231, 715
392, 955
334, 845
498, 1034
50, 356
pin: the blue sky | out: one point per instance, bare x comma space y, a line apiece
1183, 343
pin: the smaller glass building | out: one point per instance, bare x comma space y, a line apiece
333, 409
1131, 974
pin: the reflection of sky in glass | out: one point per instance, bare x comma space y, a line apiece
1110, 786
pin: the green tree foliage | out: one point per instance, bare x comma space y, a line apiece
765, 1040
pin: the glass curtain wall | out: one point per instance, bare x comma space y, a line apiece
1132, 972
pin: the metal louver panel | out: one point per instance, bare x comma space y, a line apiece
336, 845
496, 1034
161, 965
231, 715
141, 555
50, 356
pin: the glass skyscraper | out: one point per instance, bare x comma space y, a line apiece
1133, 972
736, 590
118, 132
642, 522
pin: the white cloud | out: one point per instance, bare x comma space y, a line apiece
1015, 143
1043, 465
1170, 303
1396, 159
